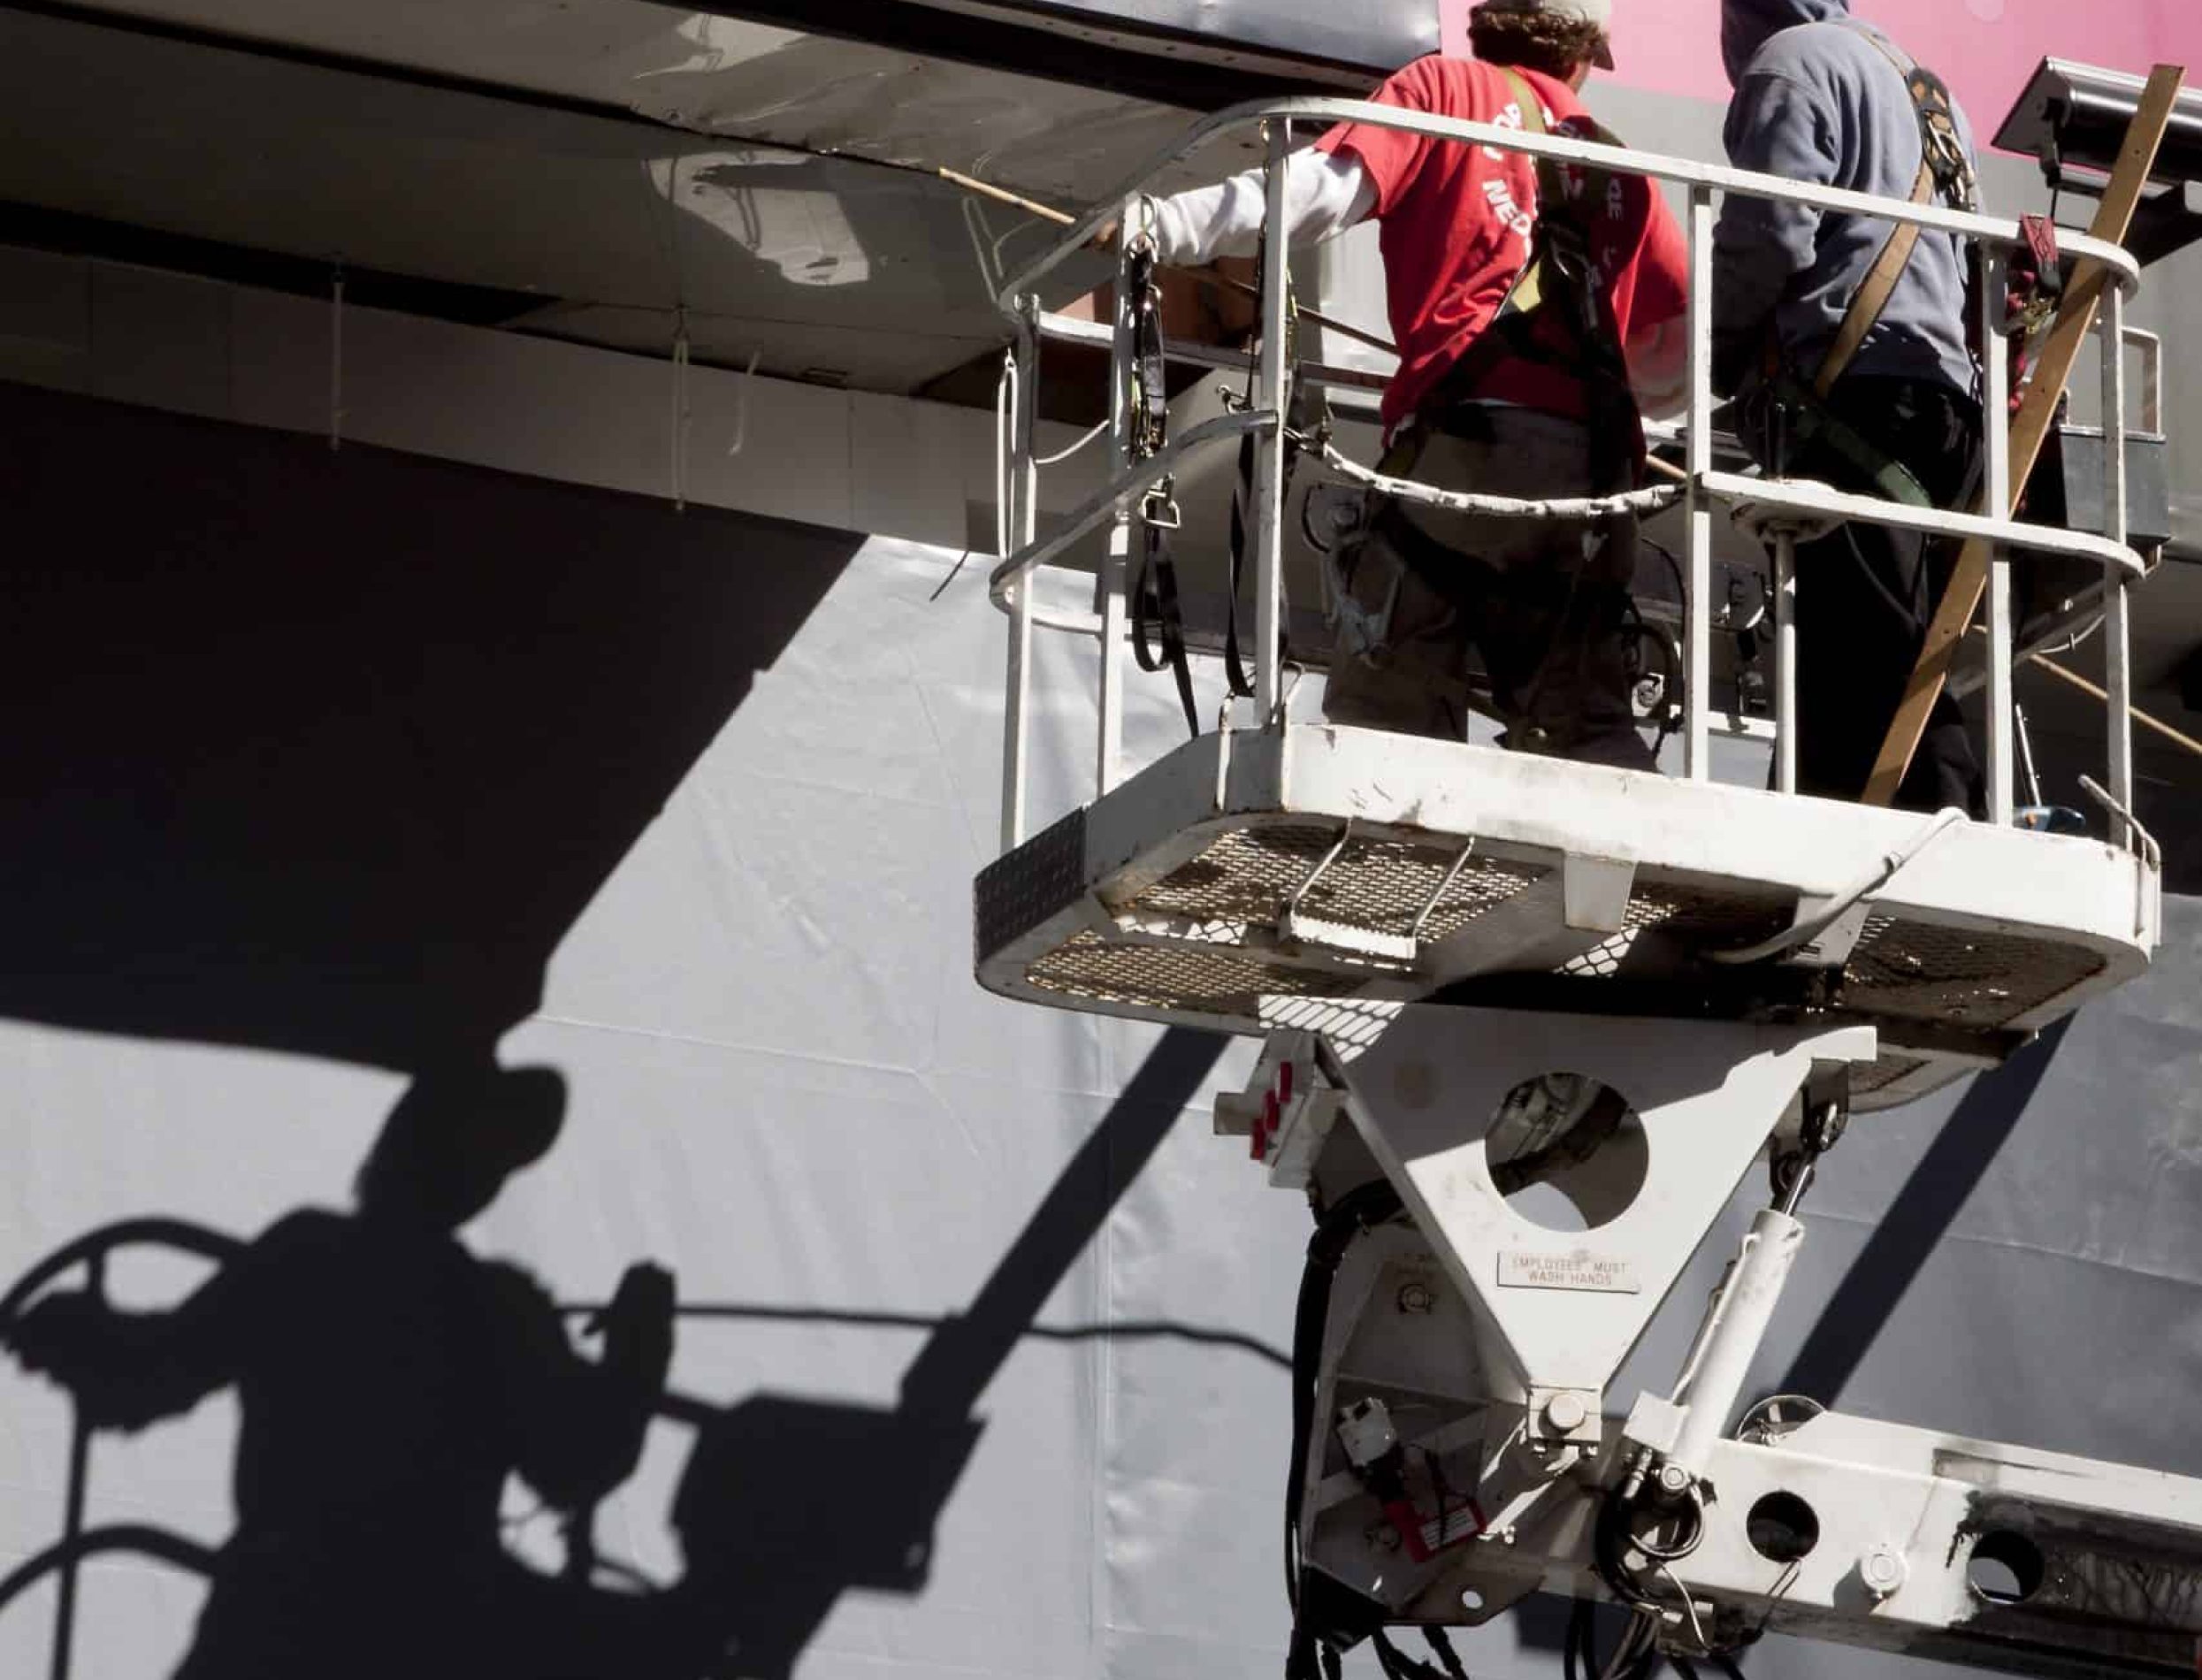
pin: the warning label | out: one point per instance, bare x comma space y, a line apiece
1593, 1273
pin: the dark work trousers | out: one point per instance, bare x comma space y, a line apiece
1866, 594
1546, 616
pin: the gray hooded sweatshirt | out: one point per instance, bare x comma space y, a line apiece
1818, 101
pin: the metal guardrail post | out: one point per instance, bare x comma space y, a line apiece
1697, 622
1109, 756
2117, 620
1996, 433
1019, 488
1274, 395
2150, 346
1785, 662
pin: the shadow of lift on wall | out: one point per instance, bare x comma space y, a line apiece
787, 1501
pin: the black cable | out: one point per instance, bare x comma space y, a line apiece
1610, 1537
1674, 568
1669, 648
1434, 1637
1397, 1665
1908, 616
1357, 1211
1641, 632
1674, 1551
1577, 1643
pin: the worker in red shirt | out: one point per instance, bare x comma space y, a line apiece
1496, 392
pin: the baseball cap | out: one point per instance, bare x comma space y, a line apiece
1592, 12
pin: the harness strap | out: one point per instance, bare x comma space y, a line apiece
1236, 676
1557, 283
1155, 606
1811, 421
1237, 679
1943, 170
1157, 616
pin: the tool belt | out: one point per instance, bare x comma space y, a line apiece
1801, 421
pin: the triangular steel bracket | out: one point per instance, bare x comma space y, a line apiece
1561, 1310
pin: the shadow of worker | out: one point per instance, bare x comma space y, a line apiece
389, 1382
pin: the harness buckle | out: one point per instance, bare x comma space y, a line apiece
1159, 508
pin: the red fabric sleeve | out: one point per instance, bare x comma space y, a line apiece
1390, 157
1658, 286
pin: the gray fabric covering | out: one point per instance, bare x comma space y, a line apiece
979, 1361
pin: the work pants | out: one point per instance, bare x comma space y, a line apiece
1866, 594
1546, 610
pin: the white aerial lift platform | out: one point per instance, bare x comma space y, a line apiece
1312, 863
1528, 1026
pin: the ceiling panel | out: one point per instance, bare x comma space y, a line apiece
727, 77
810, 262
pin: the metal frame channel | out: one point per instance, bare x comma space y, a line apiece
1116, 564
1996, 497
1020, 489
2151, 345
2117, 614
1274, 395
1785, 724
1698, 583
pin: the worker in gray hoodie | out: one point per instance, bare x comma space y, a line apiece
1876, 401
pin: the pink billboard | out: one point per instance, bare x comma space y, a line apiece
1985, 49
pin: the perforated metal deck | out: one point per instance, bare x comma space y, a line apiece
1329, 864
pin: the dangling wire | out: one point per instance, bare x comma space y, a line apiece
680, 409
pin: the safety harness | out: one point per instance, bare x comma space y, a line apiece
1553, 314
1946, 172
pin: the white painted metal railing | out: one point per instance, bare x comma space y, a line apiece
1275, 373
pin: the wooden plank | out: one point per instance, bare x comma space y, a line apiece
2030, 430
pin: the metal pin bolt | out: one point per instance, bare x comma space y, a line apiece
1417, 1297
1564, 1414
1882, 1570
1673, 1479
1384, 1538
